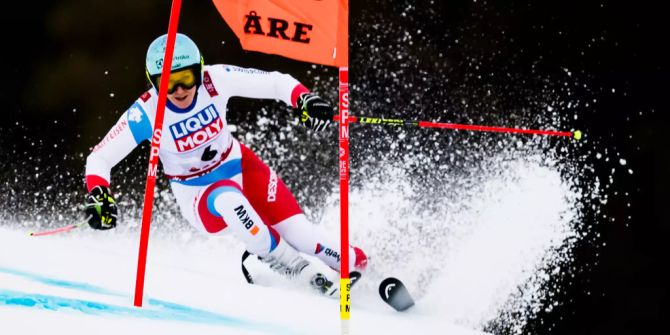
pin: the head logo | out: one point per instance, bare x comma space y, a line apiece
197, 129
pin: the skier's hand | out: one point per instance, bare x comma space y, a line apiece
314, 112
101, 208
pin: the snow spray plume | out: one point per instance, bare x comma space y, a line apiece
484, 222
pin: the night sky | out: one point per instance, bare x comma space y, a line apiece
72, 67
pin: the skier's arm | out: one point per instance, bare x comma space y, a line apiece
257, 84
133, 127
129, 131
313, 111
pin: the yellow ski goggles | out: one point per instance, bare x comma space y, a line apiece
185, 78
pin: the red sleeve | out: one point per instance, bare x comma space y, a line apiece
93, 181
295, 94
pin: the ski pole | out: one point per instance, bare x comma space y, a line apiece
61, 229
577, 135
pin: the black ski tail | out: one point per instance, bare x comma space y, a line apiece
395, 294
354, 276
245, 272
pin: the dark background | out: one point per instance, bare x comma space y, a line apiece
72, 67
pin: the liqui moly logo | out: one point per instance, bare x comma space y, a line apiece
197, 129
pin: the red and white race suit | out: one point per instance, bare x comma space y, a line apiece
220, 185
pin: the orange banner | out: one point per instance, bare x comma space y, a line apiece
314, 31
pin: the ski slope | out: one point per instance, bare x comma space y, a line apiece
82, 283
479, 256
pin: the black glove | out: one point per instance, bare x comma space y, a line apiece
314, 112
101, 208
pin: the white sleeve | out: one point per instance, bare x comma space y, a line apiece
130, 130
253, 83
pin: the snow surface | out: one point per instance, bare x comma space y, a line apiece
466, 264
82, 283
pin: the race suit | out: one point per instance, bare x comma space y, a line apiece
220, 185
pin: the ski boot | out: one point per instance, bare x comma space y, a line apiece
288, 262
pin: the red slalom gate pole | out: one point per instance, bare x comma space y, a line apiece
345, 294
153, 156
345, 281
425, 124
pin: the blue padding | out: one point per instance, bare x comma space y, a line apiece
155, 310
139, 123
273, 241
215, 193
227, 170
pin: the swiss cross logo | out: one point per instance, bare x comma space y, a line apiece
190, 133
146, 96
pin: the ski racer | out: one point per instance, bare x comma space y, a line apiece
220, 185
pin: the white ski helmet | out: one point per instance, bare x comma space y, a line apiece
186, 55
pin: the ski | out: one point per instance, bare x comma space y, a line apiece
392, 290
395, 294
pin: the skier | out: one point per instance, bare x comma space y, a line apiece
220, 185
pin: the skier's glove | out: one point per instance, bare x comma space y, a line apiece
314, 112
101, 208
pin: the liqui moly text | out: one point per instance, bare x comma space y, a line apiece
198, 129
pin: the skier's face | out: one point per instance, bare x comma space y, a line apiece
182, 97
